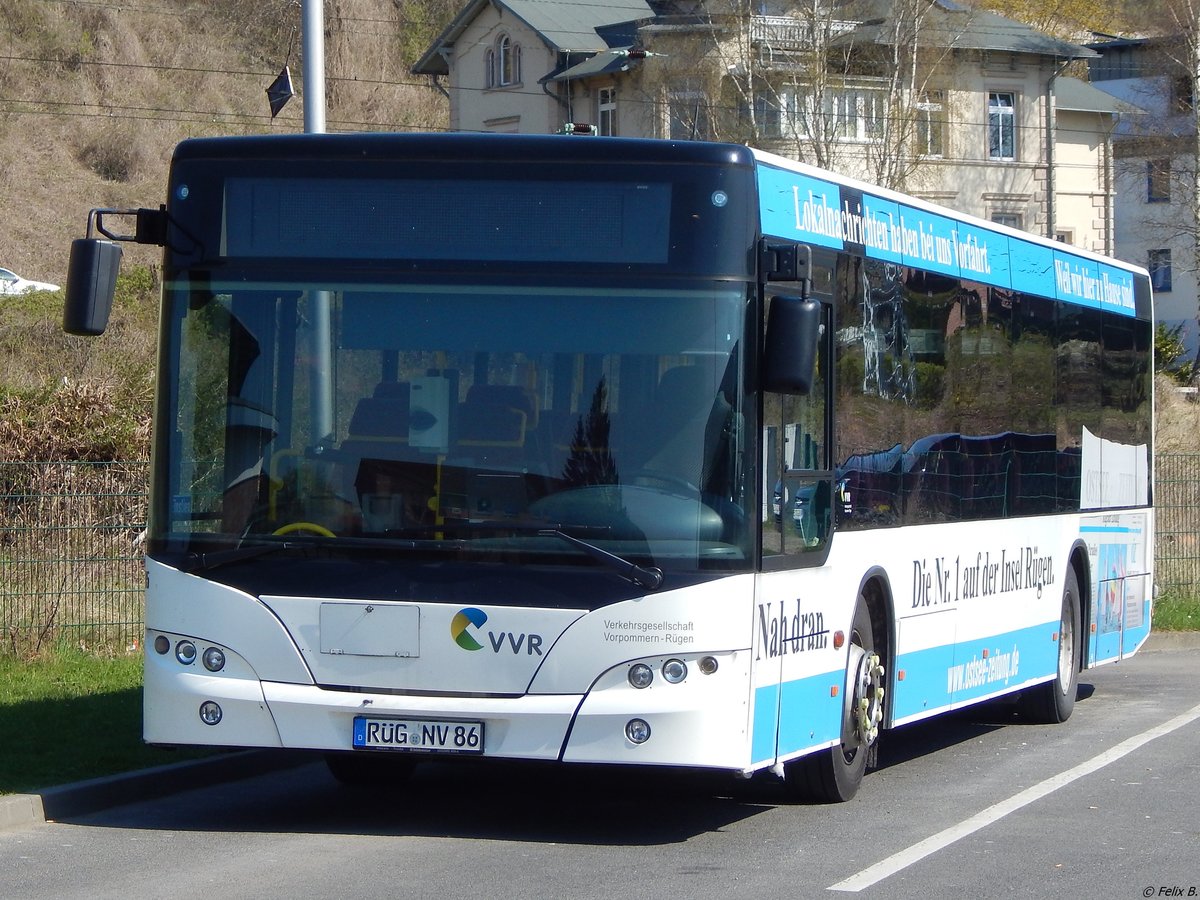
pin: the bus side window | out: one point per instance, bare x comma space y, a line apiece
796, 429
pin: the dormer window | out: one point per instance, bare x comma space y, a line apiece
503, 62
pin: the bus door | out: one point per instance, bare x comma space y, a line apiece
1120, 604
794, 618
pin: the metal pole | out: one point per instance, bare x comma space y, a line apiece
321, 376
1051, 212
313, 28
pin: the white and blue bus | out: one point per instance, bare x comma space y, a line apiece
617, 451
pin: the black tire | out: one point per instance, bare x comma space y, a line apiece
379, 771
835, 775
1053, 702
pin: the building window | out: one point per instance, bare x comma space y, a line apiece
769, 114
606, 111
782, 113
1183, 94
768, 117
1002, 125
1012, 220
1160, 270
857, 113
1158, 181
503, 63
931, 124
687, 115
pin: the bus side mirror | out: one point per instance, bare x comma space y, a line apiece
790, 351
91, 284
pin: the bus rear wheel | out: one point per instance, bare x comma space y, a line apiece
835, 775
1053, 702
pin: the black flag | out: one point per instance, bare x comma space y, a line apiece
280, 91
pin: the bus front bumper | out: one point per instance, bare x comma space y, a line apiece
701, 722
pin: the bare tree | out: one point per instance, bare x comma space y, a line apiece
1185, 19
814, 82
1184, 83
1158, 153
1163, 144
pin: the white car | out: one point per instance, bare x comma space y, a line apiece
12, 283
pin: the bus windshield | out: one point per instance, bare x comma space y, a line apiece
455, 420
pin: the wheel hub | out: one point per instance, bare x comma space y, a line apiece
865, 696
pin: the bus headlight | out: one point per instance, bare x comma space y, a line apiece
674, 670
214, 659
210, 712
185, 652
640, 675
637, 730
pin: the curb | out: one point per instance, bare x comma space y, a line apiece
22, 811
1171, 640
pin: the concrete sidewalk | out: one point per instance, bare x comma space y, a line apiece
22, 811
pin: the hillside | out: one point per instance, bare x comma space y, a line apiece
94, 95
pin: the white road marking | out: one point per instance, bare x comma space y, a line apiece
905, 858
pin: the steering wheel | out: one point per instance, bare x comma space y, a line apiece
310, 527
672, 483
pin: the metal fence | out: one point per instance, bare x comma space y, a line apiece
1177, 521
70, 555
71, 566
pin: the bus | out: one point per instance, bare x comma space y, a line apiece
619, 452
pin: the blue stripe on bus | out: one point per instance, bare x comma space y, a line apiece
933, 679
958, 673
808, 713
766, 709
800, 207
808, 716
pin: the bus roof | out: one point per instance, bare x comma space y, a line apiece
463, 146
796, 202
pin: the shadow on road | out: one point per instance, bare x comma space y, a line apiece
520, 801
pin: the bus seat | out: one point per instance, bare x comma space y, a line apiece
495, 460
375, 449
496, 415
382, 416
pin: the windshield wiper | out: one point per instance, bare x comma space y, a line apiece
648, 577
203, 562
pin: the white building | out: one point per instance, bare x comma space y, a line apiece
986, 124
1155, 172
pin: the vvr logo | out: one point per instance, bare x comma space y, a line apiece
464, 619
471, 618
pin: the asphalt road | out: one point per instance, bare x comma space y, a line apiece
981, 806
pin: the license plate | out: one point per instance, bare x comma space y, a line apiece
417, 734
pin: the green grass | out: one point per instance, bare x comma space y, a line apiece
69, 716
1175, 611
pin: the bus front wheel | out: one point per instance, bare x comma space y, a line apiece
834, 775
